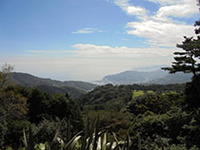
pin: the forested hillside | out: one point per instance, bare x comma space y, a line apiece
111, 97
75, 89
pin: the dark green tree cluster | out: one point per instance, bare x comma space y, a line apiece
156, 119
171, 120
160, 121
22, 108
108, 97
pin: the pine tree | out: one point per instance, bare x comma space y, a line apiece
188, 61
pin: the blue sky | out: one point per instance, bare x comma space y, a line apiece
88, 39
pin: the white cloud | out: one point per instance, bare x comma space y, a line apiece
101, 51
87, 31
48, 52
160, 33
131, 9
159, 29
90, 50
182, 9
165, 2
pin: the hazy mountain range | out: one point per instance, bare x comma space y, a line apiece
73, 88
149, 77
77, 88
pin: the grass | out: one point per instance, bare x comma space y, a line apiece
137, 93
170, 93
150, 92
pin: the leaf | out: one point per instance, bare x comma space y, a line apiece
72, 143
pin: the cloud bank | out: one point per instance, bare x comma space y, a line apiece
88, 62
163, 28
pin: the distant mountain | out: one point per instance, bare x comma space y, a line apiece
149, 68
173, 78
73, 88
148, 77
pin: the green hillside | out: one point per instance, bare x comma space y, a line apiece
75, 89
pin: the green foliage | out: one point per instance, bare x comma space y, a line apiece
166, 126
137, 93
192, 92
157, 88
158, 119
95, 140
47, 128
3, 126
74, 93
182, 147
28, 139
103, 139
158, 103
6, 69
190, 134
108, 97
13, 107
117, 121
115, 98
22, 106
42, 105
14, 133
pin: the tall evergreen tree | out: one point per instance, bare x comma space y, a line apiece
188, 61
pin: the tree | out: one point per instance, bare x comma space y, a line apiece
13, 110
188, 61
6, 69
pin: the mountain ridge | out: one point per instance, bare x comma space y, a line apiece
74, 88
146, 77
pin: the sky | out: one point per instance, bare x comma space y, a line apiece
88, 39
